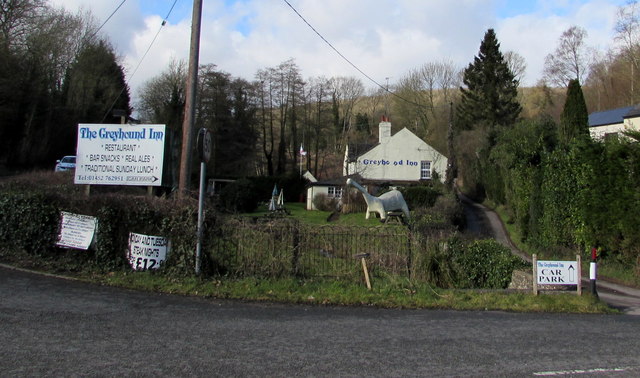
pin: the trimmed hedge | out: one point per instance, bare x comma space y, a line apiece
29, 221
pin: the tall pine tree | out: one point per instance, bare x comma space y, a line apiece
489, 97
574, 120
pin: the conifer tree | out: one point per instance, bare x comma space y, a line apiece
489, 97
574, 120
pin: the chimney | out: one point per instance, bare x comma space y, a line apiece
384, 130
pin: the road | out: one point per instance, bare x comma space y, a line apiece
486, 223
55, 327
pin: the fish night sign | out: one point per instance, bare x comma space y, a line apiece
120, 154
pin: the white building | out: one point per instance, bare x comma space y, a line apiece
332, 189
401, 158
614, 122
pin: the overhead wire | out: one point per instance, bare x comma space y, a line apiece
164, 22
386, 89
107, 20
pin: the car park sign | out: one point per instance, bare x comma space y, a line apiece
120, 154
557, 272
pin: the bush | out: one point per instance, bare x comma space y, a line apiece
322, 202
241, 196
246, 194
446, 215
353, 202
420, 196
484, 264
28, 221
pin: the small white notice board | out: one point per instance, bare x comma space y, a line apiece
147, 252
76, 231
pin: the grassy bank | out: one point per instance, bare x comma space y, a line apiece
386, 293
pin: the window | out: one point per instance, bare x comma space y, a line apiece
334, 192
610, 136
425, 170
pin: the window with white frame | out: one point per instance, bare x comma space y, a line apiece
334, 192
425, 170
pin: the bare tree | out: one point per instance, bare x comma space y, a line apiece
628, 35
17, 20
265, 117
569, 60
424, 97
516, 64
346, 91
319, 100
161, 94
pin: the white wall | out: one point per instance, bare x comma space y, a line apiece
599, 132
313, 191
399, 159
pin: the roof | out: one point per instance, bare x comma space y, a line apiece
357, 149
613, 116
635, 112
336, 181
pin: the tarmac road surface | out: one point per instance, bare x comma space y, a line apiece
55, 327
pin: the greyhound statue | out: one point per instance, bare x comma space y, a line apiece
389, 201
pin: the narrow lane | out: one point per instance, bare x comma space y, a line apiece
485, 223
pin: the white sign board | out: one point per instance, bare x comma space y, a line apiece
557, 272
120, 154
147, 252
76, 231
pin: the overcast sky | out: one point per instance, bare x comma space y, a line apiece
384, 38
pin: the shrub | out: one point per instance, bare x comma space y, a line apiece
353, 202
484, 264
246, 194
28, 221
241, 196
322, 202
420, 196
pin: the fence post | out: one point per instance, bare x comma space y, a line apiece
535, 273
296, 249
409, 255
579, 261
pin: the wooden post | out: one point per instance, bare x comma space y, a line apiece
366, 273
535, 273
190, 101
579, 289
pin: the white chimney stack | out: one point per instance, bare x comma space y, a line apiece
384, 130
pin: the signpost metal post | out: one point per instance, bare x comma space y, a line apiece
592, 271
204, 151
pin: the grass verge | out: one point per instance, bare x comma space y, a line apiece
386, 293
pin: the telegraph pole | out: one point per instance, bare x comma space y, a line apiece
190, 101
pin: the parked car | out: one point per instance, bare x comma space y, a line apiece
67, 163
